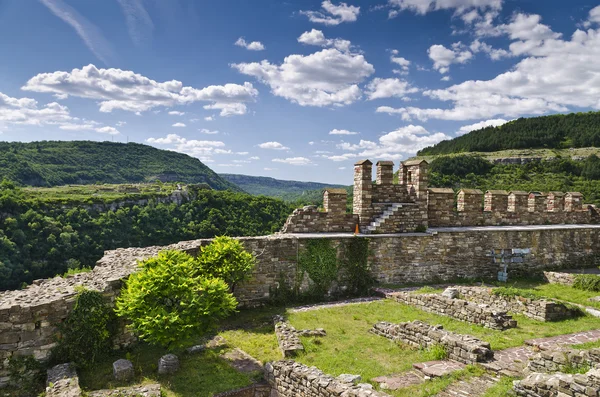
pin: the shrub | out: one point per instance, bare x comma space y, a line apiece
170, 301
87, 332
438, 352
587, 282
225, 258
26, 373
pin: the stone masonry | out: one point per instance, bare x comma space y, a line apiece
458, 309
463, 348
291, 379
536, 309
287, 337
386, 207
559, 384
28, 317
562, 358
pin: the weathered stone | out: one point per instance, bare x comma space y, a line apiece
168, 364
62, 381
123, 370
152, 390
348, 378
451, 293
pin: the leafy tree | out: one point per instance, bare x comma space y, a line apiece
591, 168
225, 258
168, 301
87, 332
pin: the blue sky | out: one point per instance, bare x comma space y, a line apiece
290, 89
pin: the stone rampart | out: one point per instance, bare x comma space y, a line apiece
310, 220
560, 278
28, 317
562, 359
536, 309
458, 309
559, 384
464, 348
291, 379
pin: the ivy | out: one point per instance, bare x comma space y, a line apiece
358, 278
319, 261
86, 334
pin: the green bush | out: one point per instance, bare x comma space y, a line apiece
169, 301
225, 258
587, 282
87, 332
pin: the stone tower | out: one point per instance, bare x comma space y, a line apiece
414, 174
363, 190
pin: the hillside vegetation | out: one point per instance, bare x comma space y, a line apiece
54, 163
557, 175
295, 191
41, 238
575, 130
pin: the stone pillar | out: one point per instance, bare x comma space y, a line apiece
573, 202
495, 200
469, 200
537, 202
416, 174
334, 201
556, 202
385, 172
363, 191
517, 202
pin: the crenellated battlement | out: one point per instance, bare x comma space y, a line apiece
410, 205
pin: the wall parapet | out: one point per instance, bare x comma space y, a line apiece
536, 309
463, 348
459, 309
291, 379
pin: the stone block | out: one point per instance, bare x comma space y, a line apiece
168, 364
123, 370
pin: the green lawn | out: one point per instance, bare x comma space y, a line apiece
349, 347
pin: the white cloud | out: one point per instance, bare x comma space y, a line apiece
25, 111
446, 78
482, 124
138, 20
269, 169
201, 149
176, 113
209, 132
316, 37
555, 76
325, 78
388, 88
254, 158
253, 46
108, 130
273, 146
393, 145
87, 31
460, 7
178, 125
129, 91
400, 61
229, 165
342, 132
121, 123
333, 14
594, 17
209, 118
495, 54
443, 57
294, 161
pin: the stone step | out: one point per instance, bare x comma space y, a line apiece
400, 381
435, 369
473, 387
377, 222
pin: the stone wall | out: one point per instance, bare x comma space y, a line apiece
28, 317
560, 278
291, 379
562, 359
537, 309
458, 309
559, 384
310, 220
464, 348
287, 337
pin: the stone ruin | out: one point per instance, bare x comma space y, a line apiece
411, 205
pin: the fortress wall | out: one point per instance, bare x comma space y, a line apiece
28, 317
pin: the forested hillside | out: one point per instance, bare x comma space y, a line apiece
54, 163
39, 241
555, 175
554, 132
287, 190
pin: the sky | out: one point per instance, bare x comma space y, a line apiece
295, 89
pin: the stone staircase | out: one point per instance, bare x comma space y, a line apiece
473, 387
381, 219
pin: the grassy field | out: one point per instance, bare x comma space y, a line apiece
347, 348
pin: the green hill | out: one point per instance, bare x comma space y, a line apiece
286, 190
55, 163
575, 130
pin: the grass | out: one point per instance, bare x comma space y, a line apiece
501, 389
587, 345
